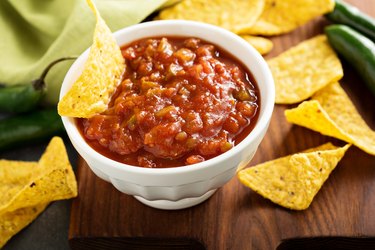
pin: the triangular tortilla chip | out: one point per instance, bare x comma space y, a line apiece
53, 180
293, 181
304, 69
332, 113
102, 73
14, 176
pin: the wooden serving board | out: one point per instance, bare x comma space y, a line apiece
340, 217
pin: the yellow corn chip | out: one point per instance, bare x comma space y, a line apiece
53, 180
232, 15
12, 222
312, 115
14, 176
263, 45
102, 73
293, 181
282, 16
28, 187
304, 69
331, 113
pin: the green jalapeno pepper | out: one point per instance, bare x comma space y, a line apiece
29, 128
23, 98
356, 49
347, 14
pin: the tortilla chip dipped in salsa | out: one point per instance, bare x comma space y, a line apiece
293, 181
282, 16
304, 69
104, 67
331, 112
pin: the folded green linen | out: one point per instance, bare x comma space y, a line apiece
36, 32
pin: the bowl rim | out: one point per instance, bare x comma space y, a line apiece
260, 126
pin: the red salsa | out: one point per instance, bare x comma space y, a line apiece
181, 101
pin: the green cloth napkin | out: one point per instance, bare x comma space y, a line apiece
36, 32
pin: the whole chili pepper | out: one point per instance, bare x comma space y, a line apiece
29, 128
345, 13
356, 49
23, 98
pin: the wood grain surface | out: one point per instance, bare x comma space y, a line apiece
340, 217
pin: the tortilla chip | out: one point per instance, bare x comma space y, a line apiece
14, 176
12, 222
331, 113
28, 187
261, 44
235, 16
282, 16
293, 181
53, 179
304, 69
102, 73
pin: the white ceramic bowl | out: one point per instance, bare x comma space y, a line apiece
181, 187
